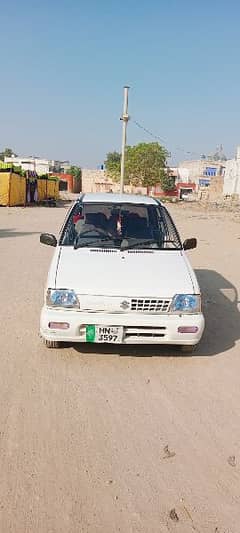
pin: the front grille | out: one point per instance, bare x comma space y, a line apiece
117, 304
150, 305
144, 332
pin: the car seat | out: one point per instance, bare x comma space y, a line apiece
136, 226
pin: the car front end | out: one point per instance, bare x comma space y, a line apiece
69, 317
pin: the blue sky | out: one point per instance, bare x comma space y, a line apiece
64, 64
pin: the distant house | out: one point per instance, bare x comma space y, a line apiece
38, 165
34, 164
200, 171
232, 175
62, 167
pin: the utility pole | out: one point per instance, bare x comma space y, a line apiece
125, 119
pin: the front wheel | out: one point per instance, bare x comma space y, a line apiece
51, 344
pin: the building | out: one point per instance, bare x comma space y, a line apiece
34, 164
40, 166
67, 182
193, 176
95, 180
61, 167
232, 176
200, 171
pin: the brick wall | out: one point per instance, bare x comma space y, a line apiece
97, 181
214, 191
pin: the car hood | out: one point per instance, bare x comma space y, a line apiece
129, 273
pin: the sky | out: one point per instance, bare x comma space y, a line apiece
64, 64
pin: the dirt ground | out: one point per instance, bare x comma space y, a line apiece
135, 440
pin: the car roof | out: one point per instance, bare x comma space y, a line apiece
113, 198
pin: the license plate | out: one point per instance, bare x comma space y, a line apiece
104, 334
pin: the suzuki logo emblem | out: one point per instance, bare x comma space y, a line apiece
124, 305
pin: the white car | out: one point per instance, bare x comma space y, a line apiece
119, 274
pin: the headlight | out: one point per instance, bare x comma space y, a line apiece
62, 298
186, 303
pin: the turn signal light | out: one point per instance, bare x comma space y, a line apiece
58, 325
187, 329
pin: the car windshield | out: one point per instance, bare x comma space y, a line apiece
122, 226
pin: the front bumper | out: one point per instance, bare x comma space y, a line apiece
138, 328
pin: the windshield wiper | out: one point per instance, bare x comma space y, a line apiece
82, 244
138, 243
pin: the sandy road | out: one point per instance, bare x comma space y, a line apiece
82, 434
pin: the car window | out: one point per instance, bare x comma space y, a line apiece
120, 225
171, 235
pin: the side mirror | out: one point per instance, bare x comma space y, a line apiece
49, 239
189, 244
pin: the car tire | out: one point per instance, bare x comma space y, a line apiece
51, 344
188, 349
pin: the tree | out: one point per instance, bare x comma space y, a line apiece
8, 152
167, 181
113, 165
146, 164
76, 172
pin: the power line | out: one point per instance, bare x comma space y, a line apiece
177, 148
148, 131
